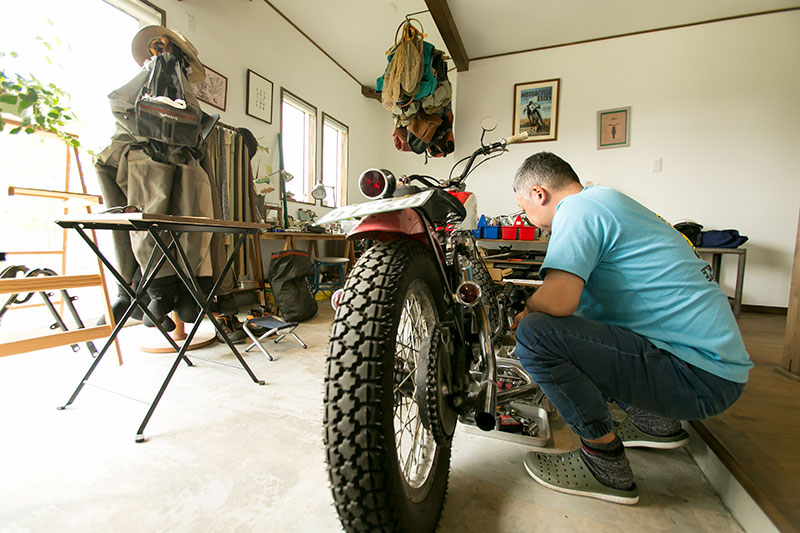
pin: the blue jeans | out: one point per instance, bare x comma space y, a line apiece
580, 363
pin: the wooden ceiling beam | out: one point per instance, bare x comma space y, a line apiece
443, 18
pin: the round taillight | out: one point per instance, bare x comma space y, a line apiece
375, 183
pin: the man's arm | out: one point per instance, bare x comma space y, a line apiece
559, 295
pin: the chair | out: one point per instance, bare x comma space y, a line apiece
338, 263
274, 326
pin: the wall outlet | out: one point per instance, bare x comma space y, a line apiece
656, 165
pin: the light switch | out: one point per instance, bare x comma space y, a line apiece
656, 166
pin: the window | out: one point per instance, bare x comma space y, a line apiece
55, 47
334, 161
146, 13
298, 136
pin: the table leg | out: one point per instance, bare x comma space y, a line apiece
198, 297
135, 301
737, 297
716, 266
350, 253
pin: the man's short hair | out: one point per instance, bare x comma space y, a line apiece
544, 169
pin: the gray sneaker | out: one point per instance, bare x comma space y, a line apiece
567, 473
633, 437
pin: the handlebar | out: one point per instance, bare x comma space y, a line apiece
516, 138
486, 150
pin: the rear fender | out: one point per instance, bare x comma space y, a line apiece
394, 225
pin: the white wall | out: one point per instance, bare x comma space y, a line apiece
720, 103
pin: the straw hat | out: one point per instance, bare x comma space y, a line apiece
141, 52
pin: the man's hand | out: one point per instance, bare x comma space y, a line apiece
518, 319
559, 295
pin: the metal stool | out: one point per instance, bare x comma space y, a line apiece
274, 326
340, 263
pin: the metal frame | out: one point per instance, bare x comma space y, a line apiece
163, 252
291, 326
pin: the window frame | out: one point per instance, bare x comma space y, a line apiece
312, 142
129, 7
345, 166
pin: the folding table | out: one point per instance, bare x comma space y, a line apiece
165, 231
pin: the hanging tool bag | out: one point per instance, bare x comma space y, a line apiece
289, 272
163, 112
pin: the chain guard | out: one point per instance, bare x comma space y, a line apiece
434, 385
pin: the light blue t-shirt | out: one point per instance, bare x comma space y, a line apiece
642, 274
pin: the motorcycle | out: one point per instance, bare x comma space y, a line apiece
416, 346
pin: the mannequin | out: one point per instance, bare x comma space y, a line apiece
137, 169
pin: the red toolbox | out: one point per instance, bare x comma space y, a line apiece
526, 233
508, 233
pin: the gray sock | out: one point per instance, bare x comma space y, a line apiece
608, 463
653, 424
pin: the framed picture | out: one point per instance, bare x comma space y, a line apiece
213, 90
536, 109
259, 97
614, 128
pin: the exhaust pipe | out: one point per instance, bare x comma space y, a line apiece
486, 401
485, 405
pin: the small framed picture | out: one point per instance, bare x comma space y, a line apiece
259, 97
614, 128
213, 90
536, 109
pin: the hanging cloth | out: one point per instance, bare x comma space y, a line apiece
404, 72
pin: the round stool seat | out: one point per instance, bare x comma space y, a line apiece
332, 260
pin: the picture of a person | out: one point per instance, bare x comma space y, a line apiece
534, 117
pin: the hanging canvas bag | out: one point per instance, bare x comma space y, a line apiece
404, 72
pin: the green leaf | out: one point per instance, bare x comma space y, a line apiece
53, 114
49, 61
47, 45
75, 142
29, 96
15, 130
29, 130
8, 99
40, 120
14, 54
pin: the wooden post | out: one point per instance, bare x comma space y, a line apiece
791, 345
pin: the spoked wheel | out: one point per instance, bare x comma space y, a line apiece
386, 470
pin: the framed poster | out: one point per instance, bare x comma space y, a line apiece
536, 109
213, 90
259, 97
614, 128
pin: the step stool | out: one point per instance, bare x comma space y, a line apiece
274, 326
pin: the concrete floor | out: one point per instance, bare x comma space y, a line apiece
224, 454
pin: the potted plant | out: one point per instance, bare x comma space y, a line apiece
38, 105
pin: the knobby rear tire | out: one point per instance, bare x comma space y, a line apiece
364, 384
